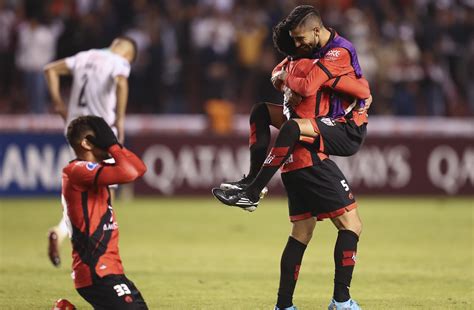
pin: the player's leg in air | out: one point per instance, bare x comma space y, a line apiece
335, 137
262, 116
249, 197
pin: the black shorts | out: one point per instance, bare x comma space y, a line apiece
320, 191
338, 138
113, 292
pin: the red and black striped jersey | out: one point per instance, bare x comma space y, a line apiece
317, 81
91, 220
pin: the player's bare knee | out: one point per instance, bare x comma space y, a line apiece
303, 237
349, 221
303, 230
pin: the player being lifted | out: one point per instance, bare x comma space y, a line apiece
91, 221
316, 188
100, 88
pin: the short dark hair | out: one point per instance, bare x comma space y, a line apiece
78, 129
133, 43
282, 40
300, 14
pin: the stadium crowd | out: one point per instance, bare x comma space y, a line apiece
417, 54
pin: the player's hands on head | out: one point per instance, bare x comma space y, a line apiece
104, 136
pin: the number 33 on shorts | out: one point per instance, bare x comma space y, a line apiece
122, 289
345, 185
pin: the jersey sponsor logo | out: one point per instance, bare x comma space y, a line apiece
102, 267
328, 121
332, 55
110, 226
91, 166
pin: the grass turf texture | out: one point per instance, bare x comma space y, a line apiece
198, 254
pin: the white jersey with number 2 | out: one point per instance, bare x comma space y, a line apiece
94, 86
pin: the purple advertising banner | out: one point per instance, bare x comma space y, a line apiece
192, 165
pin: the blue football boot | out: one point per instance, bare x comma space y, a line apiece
346, 305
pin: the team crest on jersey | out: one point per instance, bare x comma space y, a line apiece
328, 121
91, 166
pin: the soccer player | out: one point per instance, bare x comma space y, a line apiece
92, 223
316, 187
100, 87
341, 133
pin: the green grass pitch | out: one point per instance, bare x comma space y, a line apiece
414, 253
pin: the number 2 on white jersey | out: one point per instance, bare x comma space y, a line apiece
82, 99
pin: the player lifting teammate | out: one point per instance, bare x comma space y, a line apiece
316, 188
92, 223
100, 88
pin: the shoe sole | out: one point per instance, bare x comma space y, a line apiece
227, 186
249, 208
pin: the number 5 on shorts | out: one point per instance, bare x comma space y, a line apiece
344, 184
122, 289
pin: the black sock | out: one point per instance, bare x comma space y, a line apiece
289, 270
344, 259
259, 137
284, 145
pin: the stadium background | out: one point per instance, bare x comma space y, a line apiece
201, 66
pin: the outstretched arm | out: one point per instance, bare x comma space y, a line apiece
52, 72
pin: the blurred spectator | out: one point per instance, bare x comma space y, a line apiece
36, 47
416, 54
7, 63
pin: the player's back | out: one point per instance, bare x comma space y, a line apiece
92, 223
94, 86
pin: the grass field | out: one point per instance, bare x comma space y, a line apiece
197, 254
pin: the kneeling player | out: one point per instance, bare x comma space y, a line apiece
92, 224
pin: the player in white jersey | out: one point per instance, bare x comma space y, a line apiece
99, 88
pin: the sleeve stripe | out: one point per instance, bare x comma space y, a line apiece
97, 175
335, 82
328, 73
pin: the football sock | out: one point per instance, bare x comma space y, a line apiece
259, 138
284, 145
289, 270
344, 259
